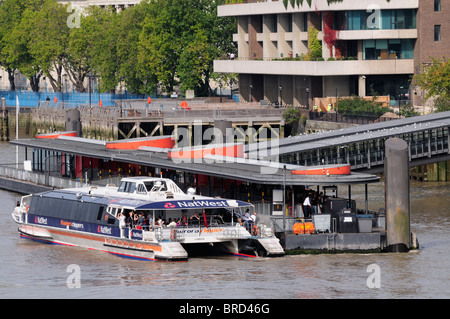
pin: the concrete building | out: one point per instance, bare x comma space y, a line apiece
367, 46
119, 5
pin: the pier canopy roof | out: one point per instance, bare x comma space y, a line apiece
356, 134
233, 166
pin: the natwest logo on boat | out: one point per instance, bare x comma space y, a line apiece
104, 230
202, 203
40, 220
169, 205
136, 234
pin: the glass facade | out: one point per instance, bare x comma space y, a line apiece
388, 49
396, 86
372, 20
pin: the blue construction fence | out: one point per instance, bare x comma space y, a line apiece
31, 99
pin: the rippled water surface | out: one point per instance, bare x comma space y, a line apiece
34, 270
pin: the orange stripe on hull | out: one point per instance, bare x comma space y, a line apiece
129, 244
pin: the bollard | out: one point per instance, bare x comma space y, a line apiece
396, 169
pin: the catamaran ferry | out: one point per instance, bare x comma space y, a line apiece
144, 218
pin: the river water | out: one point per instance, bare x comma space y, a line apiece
33, 270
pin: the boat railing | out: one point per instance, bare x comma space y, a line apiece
220, 231
223, 231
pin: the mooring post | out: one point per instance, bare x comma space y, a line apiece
396, 169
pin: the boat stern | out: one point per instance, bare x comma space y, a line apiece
271, 246
171, 251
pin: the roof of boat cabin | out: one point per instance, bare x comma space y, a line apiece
197, 202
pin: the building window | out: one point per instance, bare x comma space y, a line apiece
274, 23
437, 33
437, 5
363, 20
305, 22
289, 22
384, 49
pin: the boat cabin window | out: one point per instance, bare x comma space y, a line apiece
114, 211
148, 186
158, 186
141, 189
100, 212
127, 187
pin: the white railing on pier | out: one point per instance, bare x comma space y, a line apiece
38, 178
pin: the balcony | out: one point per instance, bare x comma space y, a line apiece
377, 34
258, 7
315, 68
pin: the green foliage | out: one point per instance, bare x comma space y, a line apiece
435, 80
359, 106
155, 44
129, 70
314, 45
303, 119
14, 51
442, 104
180, 40
292, 117
408, 111
47, 39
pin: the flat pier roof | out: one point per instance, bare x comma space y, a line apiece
237, 168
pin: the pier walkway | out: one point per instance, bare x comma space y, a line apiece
363, 146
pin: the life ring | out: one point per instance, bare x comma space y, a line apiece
173, 234
26, 208
255, 231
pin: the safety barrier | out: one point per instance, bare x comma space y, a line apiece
32, 99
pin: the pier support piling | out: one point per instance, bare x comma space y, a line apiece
396, 169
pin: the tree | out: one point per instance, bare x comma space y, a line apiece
194, 61
47, 38
129, 27
225, 79
435, 80
292, 117
103, 43
179, 41
155, 44
14, 53
81, 46
160, 42
356, 105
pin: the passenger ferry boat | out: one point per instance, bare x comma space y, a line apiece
96, 218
